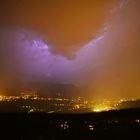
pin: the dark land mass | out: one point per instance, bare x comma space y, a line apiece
110, 125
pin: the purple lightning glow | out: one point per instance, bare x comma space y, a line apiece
37, 61
107, 63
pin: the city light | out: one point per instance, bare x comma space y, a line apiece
32, 102
91, 127
101, 107
97, 110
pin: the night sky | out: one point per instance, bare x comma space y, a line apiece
93, 43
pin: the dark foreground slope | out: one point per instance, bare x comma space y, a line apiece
116, 125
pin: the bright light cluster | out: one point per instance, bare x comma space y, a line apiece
99, 108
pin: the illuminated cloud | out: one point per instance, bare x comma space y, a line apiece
108, 62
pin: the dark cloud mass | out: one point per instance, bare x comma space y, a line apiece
91, 44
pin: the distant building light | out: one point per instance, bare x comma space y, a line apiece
64, 125
91, 128
137, 121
